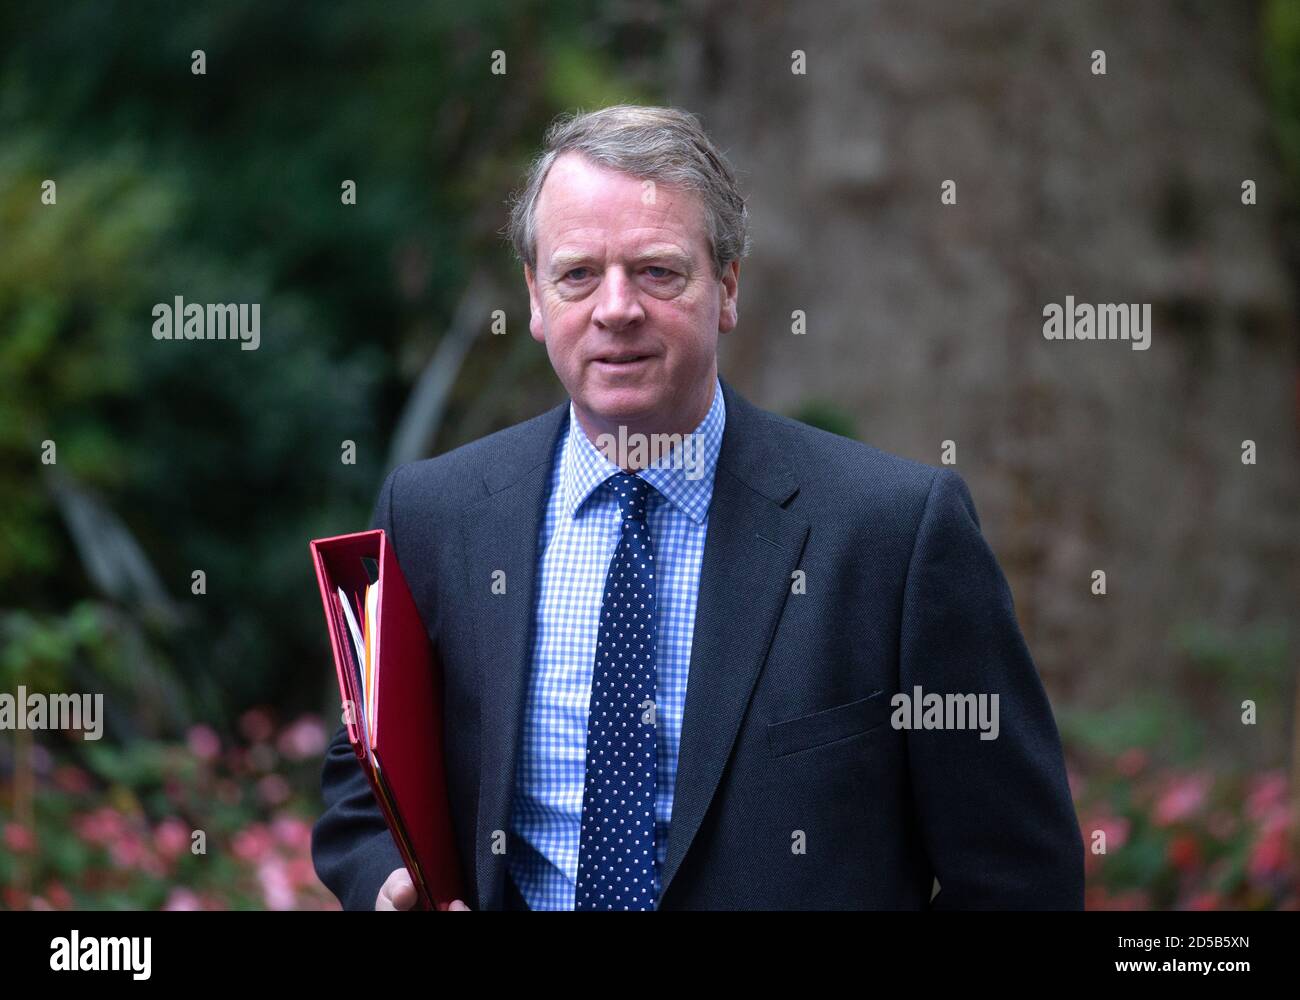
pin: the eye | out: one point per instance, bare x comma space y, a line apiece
659, 277
570, 274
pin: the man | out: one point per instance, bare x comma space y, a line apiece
682, 693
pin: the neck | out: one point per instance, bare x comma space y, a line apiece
634, 444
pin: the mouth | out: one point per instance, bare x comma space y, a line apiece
622, 361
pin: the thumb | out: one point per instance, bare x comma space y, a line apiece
402, 895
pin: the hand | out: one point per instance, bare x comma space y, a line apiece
397, 893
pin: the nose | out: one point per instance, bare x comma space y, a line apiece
618, 304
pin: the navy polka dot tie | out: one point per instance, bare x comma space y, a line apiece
616, 850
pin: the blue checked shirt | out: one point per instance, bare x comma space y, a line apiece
580, 531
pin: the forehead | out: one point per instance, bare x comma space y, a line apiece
583, 202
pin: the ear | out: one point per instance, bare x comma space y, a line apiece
535, 326
728, 297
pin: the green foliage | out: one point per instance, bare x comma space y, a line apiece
1257, 655
225, 187
37, 651
1281, 24
1142, 719
1220, 669
826, 415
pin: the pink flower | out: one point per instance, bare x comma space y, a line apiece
1131, 762
305, 739
100, 827
182, 899
256, 725
203, 742
14, 899
128, 850
1267, 795
1182, 799
59, 896
171, 838
276, 889
301, 873
1116, 829
292, 832
274, 790
1270, 853
253, 843
18, 838
1205, 901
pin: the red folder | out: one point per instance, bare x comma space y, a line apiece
401, 752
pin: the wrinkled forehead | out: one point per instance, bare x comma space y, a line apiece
583, 201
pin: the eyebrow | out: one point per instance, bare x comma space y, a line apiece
564, 260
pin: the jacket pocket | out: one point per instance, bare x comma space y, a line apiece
828, 725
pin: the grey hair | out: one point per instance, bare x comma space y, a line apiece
665, 145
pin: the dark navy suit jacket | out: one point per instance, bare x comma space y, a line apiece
794, 789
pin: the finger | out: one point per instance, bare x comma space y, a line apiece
457, 904
403, 895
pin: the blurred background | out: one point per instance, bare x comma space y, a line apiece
924, 325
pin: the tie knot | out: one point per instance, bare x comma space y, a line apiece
632, 492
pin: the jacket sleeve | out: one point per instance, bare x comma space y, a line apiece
995, 815
351, 847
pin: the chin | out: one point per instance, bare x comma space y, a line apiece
622, 404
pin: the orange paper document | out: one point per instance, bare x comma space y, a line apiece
390, 682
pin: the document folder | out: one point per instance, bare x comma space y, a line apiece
399, 742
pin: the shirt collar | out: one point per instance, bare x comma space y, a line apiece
683, 471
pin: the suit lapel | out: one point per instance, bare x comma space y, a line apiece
752, 547
500, 533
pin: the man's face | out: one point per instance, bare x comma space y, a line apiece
625, 299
